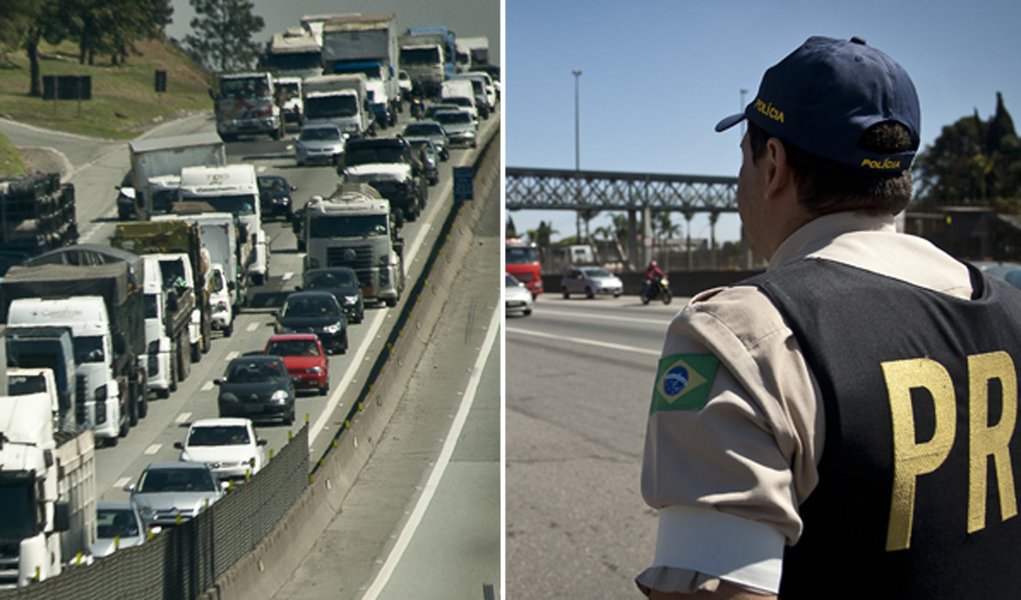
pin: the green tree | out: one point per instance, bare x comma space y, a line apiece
44, 20
972, 162
512, 230
223, 33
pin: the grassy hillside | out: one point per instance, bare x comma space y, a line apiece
123, 102
10, 159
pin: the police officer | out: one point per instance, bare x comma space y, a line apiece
842, 423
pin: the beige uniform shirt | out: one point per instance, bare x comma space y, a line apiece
736, 429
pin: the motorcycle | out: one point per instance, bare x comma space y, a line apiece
658, 287
417, 107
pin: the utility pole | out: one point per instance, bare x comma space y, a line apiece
577, 155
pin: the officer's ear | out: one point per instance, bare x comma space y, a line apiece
776, 169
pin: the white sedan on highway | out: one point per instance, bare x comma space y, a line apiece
228, 445
516, 297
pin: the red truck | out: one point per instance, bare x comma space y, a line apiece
523, 262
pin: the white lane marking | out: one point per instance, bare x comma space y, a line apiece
207, 386
287, 276
183, 417
261, 169
232, 355
252, 327
600, 316
418, 513
587, 342
120, 483
153, 449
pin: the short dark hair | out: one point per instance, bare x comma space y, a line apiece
825, 186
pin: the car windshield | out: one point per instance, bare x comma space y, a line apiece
253, 371
317, 134
241, 204
329, 226
422, 129
330, 280
596, 272
311, 306
511, 281
293, 348
273, 184
116, 522
325, 107
176, 480
218, 435
453, 118
521, 256
373, 154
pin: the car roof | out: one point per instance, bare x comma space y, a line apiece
222, 421
328, 270
180, 464
256, 357
114, 505
287, 337
320, 125
309, 294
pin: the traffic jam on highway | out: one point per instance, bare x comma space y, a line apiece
220, 300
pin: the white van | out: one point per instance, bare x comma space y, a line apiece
456, 89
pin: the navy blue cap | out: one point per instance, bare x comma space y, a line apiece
824, 95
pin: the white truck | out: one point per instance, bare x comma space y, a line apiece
47, 483
289, 98
339, 99
104, 311
227, 255
294, 52
47, 349
233, 189
245, 105
364, 43
156, 165
477, 49
355, 228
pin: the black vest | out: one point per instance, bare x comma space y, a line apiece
892, 358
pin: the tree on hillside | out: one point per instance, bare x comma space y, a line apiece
111, 27
17, 15
44, 20
973, 162
224, 29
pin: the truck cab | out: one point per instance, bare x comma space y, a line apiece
246, 105
391, 166
47, 349
356, 228
341, 100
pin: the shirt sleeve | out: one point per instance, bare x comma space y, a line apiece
731, 444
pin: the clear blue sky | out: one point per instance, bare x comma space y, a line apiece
658, 74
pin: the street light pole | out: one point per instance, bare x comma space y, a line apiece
577, 156
741, 109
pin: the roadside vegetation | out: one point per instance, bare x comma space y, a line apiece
10, 159
124, 101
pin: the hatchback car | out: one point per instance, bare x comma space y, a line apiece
516, 297
319, 143
118, 525
315, 312
305, 358
256, 387
590, 281
343, 283
169, 491
229, 446
428, 130
460, 127
275, 196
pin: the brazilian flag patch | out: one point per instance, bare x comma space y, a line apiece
683, 381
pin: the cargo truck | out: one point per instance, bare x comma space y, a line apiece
221, 239
177, 246
245, 105
102, 306
355, 228
156, 165
364, 43
341, 100
428, 54
37, 213
233, 189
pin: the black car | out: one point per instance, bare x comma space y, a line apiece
315, 312
430, 160
257, 387
275, 196
343, 283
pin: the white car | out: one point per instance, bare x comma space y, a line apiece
319, 143
590, 281
229, 446
516, 297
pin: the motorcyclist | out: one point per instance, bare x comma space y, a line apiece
653, 275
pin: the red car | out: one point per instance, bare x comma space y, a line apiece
305, 359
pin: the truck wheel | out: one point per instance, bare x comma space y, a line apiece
143, 406
391, 302
173, 379
228, 330
132, 411
196, 351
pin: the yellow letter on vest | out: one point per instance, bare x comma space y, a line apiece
911, 459
990, 440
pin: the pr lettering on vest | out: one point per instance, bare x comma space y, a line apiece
914, 459
683, 381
